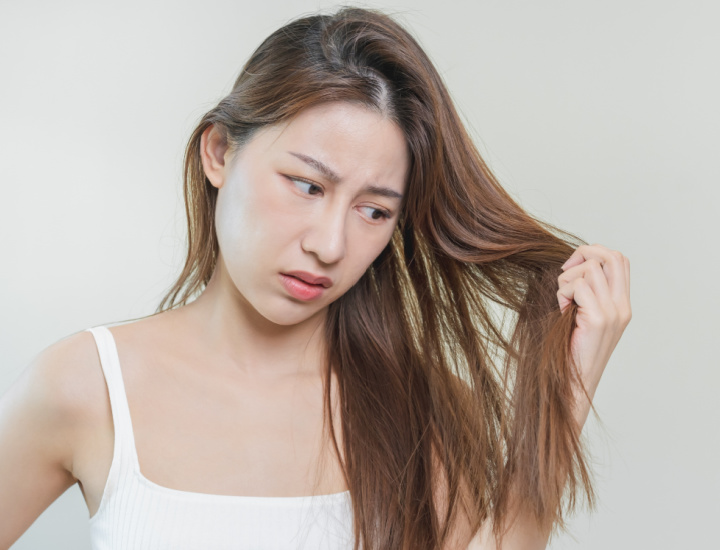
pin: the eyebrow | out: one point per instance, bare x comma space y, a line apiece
333, 176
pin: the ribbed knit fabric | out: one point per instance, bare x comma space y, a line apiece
137, 514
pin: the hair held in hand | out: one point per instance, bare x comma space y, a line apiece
451, 353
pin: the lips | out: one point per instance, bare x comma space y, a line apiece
311, 278
299, 289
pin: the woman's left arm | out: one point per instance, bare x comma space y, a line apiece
598, 280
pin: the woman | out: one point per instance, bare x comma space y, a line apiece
341, 378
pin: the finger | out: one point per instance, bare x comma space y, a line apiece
628, 309
598, 282
574, 259
613, 266
579, 290
593, 273
627, 275
575, 272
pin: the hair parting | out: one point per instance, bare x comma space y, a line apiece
452, 357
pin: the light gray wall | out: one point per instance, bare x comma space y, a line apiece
601, 117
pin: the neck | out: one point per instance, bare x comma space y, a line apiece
235, 332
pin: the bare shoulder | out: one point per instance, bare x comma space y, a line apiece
67, 375
63, 384
42, 416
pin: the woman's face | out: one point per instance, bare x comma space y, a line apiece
320, 194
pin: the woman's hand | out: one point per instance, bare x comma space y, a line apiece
598, 280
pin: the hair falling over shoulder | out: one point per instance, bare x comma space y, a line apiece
451, 353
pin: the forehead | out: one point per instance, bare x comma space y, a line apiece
356, 142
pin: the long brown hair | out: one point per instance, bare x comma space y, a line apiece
451, 354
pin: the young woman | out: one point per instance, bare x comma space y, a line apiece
331, 369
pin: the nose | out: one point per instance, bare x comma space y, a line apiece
326, 234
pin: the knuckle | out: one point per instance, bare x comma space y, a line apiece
627, 315
612, 318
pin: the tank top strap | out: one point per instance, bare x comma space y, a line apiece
124, 452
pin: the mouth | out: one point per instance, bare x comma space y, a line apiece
310, 278
300, 289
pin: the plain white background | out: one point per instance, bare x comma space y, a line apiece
601, 117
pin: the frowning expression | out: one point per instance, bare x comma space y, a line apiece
320, 194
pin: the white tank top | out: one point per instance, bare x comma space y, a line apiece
137, 514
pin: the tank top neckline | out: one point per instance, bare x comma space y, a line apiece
124, 436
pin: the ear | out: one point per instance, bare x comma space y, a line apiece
212, 152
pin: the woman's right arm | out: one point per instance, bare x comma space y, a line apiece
39, 419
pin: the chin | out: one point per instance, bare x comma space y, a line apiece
291, 313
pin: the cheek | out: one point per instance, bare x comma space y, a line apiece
364, 253
279, 214
240, 233
249, 215
279, 218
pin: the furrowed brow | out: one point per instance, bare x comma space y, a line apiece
318, 166
383, 192
331, 175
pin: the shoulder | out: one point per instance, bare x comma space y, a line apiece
58, 393
64, 373
42, 415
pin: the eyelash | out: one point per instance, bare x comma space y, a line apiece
384, 214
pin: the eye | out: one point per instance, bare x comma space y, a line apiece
378, 214
305, 186
309, 188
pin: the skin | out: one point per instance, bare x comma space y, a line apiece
598, 280
253, 349
267, 224
240, 367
